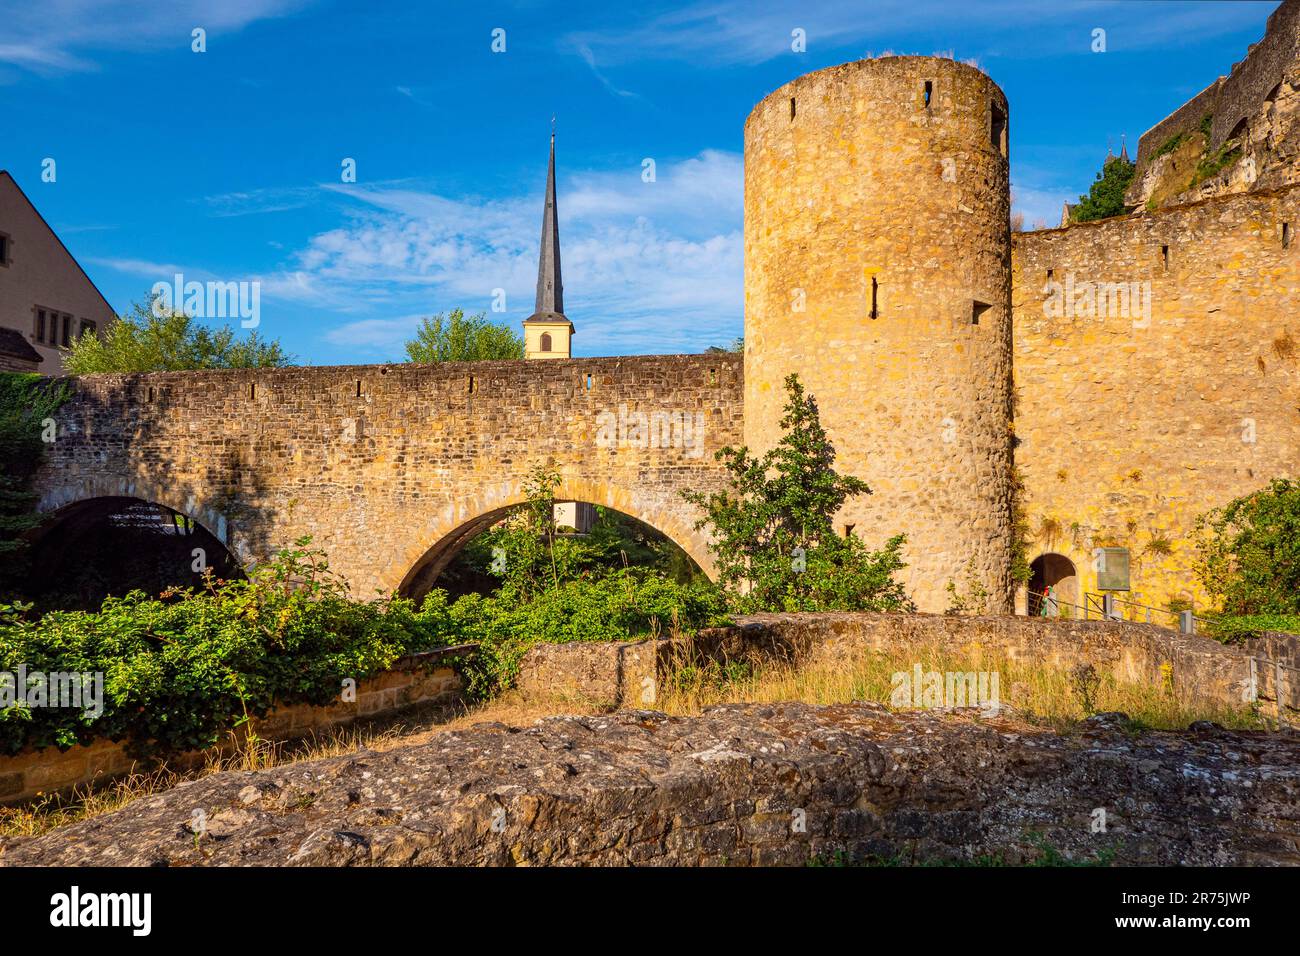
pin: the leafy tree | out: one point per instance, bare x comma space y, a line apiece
144, 342
1106, 197
457, 338
26, 401
773, 531
1249, 551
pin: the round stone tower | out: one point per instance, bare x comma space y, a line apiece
877, 267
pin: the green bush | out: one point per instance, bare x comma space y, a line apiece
1232, 629
1249, 552
627, 604
773, 526
183, 669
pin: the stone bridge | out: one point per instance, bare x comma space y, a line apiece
392, 468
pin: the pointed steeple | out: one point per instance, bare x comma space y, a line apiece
550, 288
548, 332
1123, 150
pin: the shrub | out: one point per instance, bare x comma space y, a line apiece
1249, 552
773, 526
626, 604
1233, 629
182, 669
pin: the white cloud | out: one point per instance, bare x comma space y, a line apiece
652, 267
51, 36
729, 32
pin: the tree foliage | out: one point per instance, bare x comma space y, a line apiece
457, 338
26, 402
561, 588
1106, 197
183, 668
773, 526
144, 342
1249, 551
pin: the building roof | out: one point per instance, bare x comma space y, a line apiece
15, 344
4, 174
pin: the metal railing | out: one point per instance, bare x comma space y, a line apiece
1107, 607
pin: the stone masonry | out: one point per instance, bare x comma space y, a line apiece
740, 785
390, 468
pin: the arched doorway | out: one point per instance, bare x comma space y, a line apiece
106, 546
1057, 572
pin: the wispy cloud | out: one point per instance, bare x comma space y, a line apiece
257, 201
732, 32
647, 266
56, 36
589, 58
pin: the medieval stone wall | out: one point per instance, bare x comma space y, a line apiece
389, 467
1132, 420
876, 267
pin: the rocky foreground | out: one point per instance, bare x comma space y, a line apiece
741, 785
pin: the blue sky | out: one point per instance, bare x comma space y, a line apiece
226, 164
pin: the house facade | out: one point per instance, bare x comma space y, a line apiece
46, 298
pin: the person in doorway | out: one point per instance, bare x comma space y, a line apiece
1050, 608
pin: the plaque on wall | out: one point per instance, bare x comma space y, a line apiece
1112, 569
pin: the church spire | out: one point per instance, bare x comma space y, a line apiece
548, 333
550, 289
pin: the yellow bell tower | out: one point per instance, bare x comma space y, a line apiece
548, 333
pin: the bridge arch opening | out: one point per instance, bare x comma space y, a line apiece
460, 562
107, 546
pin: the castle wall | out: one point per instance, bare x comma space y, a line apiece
853, 184
1132, 424
388, 466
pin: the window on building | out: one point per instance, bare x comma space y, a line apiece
67, 331
1286, 235
875, 311
87, 326
546, 342
4, 249
977, 309
792, 107
929, 92
40, 325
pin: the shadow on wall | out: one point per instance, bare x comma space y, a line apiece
138, 525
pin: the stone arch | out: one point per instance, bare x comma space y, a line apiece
108, 545
437, 540
90, 488
1055, 570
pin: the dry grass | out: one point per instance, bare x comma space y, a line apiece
1045, 697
